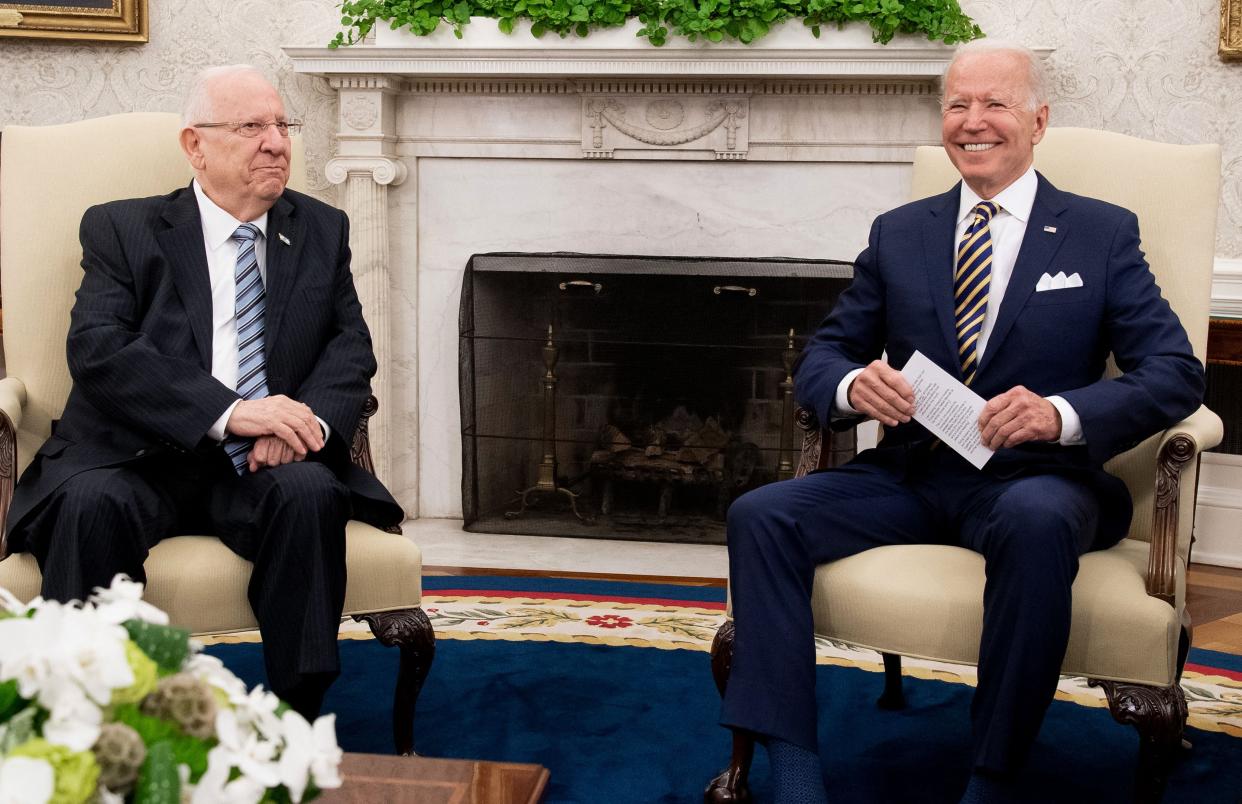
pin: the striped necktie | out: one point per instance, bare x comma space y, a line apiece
970, 287
251, 354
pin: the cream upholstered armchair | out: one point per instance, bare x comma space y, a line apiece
48, 177
1130, 632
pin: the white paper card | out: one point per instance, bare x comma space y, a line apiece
947, 408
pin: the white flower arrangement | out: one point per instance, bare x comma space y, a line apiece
104, 702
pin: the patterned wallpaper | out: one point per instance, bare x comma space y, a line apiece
1142, 67
55, 83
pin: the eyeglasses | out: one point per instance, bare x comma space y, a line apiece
253, 129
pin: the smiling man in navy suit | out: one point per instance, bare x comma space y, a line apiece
1021, 291
220, 363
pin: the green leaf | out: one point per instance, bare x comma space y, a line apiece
167, 646
20, 728
11, 700
158, 782
186, 750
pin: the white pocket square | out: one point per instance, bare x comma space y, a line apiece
1058, 282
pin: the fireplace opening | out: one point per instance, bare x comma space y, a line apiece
629, 397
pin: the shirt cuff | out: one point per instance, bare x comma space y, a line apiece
217, 432
1071, 425
327, 431
841, 405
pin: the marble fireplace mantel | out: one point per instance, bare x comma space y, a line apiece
604, 145
789, 51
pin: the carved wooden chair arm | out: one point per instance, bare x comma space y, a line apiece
822, 447
1180, 444
360, 449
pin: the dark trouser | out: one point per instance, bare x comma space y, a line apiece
1030, 531
289, 521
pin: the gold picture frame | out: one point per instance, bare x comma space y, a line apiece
1231, 29
76, 20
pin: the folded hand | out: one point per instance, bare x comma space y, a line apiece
1018, 416
286, 419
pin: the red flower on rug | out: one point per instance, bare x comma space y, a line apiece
609, 621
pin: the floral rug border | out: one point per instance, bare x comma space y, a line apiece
1215, 701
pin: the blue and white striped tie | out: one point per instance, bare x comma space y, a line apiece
251, 353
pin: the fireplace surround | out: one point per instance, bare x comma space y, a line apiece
450, 150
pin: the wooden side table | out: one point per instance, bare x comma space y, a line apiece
370, 778
1225, 341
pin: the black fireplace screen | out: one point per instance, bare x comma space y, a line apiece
629, 397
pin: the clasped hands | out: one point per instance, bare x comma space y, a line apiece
284, 430
1007, 420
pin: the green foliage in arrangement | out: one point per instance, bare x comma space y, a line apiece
715, 20
166, 645
159, 782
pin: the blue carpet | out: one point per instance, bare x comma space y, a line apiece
627, 725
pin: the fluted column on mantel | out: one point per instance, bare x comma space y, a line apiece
366, 165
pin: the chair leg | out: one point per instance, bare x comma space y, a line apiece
1183, 653
892, 698
730, 786
1159, 715
1185, 635
410, 631
722, 656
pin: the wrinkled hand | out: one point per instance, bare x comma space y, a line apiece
881, 392
288, 420
271, 451
1018, 416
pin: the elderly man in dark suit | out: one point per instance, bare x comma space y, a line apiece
967, 278
220, 363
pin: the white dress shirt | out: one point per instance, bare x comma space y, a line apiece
1008, 227
222, 249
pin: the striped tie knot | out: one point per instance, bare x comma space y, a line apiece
971, 280
984, 209
246, 233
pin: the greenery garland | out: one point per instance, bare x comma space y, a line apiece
715, 20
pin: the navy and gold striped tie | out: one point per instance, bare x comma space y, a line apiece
251, 350
971, 282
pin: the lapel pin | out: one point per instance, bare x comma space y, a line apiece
1048, 229
285, 240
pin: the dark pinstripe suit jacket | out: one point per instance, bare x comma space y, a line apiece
140, 342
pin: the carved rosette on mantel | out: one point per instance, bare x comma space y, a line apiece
367, 165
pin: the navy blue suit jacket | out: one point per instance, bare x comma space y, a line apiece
140, 342
1053, 342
